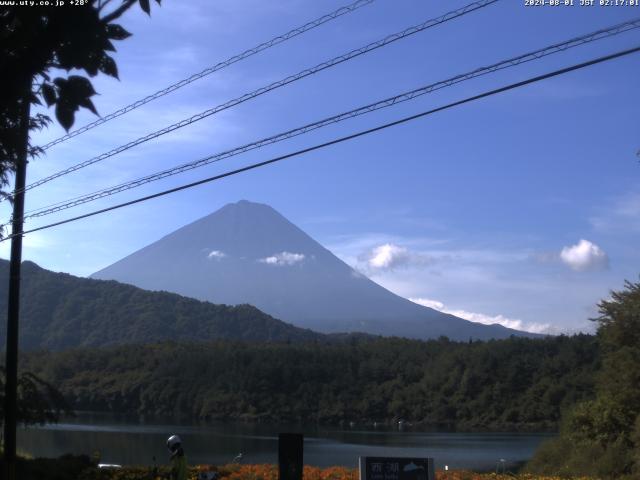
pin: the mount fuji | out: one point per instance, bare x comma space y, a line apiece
247, 253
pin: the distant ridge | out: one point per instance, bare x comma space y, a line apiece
60, 311
247, 253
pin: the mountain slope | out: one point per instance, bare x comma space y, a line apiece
61, 311
249, 253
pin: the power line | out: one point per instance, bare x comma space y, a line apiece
342, 139
219, 66
280, 83
388, 102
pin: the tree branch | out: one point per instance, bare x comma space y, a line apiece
117, 13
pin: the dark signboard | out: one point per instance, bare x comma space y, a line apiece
396, 468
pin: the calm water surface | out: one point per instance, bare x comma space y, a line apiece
132, 441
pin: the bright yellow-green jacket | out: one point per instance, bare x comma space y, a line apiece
179, 467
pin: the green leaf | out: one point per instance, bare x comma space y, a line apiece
116, 32
144, 5
81, 86
88, 104
93, 63
73, 92
49, 94
108, 66
65, 115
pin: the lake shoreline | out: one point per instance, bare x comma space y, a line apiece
127, 441
545, 428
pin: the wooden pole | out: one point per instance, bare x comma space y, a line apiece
13, 314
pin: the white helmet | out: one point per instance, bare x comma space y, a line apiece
173, 442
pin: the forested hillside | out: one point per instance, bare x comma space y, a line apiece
506, 384
600, 436
62, 311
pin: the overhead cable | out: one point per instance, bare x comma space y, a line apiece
214, 68
387, 102
340, 140
260, 91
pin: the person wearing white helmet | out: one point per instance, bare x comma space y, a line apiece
178, 460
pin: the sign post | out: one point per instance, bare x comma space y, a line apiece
396, 468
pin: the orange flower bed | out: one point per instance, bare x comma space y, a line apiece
270, 472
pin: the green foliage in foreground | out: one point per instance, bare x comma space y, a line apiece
506, 384
601, 436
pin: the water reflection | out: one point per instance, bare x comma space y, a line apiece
133, 441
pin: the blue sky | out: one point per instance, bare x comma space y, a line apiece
522, 208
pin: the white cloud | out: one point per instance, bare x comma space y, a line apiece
390, 256
425, 302
284, 258
216, 255
584, 256
483, 318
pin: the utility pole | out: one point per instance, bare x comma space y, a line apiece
13, 315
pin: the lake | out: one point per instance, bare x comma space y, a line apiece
132, 441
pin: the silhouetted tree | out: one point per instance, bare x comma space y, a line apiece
39, 402
38, 44
35, 41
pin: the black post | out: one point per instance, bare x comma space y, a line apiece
290, 461
11, 365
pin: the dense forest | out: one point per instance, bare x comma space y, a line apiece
506, 384
61, 311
